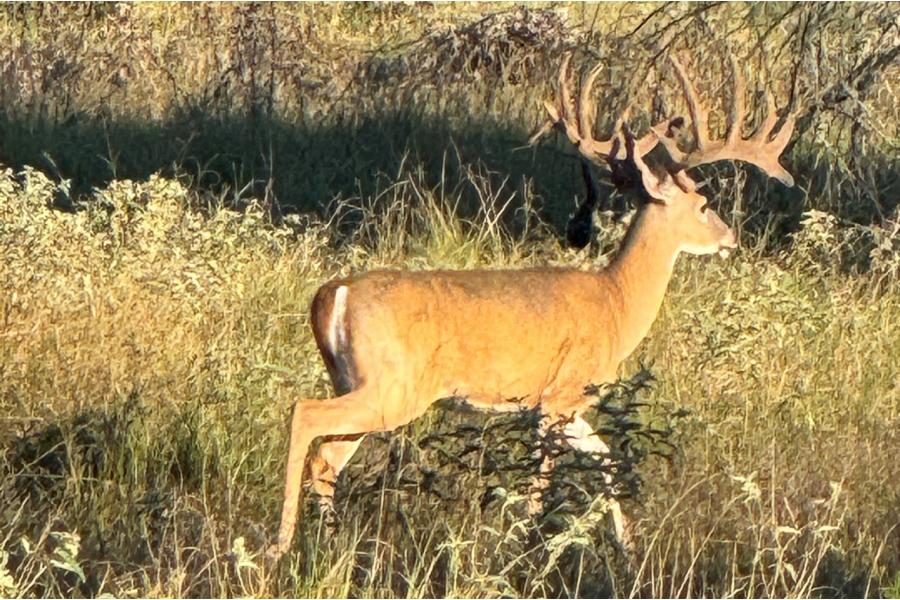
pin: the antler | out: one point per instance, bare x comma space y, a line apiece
760, 149
576, 119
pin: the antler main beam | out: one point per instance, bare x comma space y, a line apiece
760, 149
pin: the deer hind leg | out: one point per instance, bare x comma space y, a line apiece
350, 414
325, 468
580, 435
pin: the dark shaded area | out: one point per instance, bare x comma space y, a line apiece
501, 453
292, 167
89, 474
131, 503
473, 464
454, 96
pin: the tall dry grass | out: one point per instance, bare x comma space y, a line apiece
153, 340
153, 320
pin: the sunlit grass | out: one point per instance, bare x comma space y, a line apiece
153, 338
150, 352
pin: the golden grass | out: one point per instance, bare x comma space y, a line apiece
151, 350
152, 339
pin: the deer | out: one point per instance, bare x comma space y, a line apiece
395, 342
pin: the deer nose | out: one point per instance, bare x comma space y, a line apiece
729, 240
727, 243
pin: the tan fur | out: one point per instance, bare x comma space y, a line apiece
530, 337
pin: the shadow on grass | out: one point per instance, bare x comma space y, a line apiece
304, 166
148, 498
428, 508
447, 497
100, 476
425, 510
301, 166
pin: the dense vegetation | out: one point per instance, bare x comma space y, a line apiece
164, 223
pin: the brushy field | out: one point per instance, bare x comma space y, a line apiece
155, 332
151, 351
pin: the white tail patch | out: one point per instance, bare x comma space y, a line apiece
337, 326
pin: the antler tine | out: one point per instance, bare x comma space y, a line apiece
768, 148
581, 132
576, 118
698, 113
632, 146
565, 97
619, 138
738, 110
541, 131
774, 146
560, 112
760, 149
557, 113
587, 108
764, 131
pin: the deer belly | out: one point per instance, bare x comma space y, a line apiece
527, 376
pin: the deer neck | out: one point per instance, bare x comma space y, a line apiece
641, 272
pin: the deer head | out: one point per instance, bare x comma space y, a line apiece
680, 210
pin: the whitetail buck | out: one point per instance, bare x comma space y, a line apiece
394, 342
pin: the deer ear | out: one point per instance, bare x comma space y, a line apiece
669, 188
652, 184
686, 184
659, 191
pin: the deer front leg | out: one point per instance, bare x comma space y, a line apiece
580, 435
540, 481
